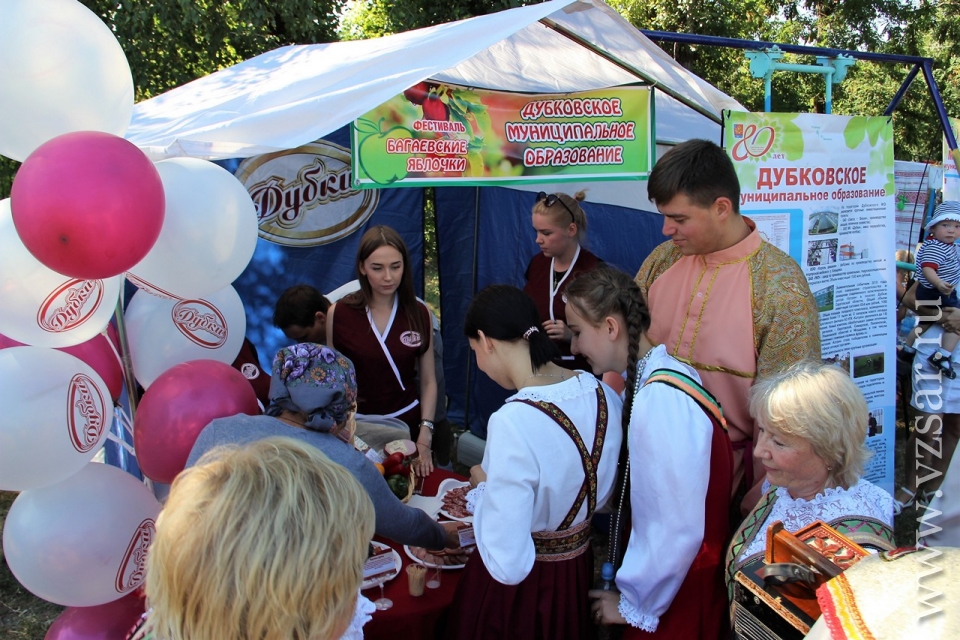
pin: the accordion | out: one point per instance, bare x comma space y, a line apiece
774, 597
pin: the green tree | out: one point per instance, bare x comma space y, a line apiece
171, 42
374, 18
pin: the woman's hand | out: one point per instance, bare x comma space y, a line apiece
558, 330
606, 607
424, 462
477, 475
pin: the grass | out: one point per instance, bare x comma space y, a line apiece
23, 616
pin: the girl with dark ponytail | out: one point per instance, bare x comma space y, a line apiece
549, 462
675, 484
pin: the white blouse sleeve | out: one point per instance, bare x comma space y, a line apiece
504, 517
670, 441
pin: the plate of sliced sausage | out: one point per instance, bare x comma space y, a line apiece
452, 559
453, 500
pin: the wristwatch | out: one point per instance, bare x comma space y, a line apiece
428, 424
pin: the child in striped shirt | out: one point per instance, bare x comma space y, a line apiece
937, 279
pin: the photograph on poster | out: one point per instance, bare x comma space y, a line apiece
824, 298
854, 247
823, 222
875, 423
821, 252
841, 360
869, 364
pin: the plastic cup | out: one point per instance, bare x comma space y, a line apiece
416, 576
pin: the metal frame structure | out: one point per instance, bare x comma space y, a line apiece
919, 64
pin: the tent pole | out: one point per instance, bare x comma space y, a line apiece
902, 91
473, 292
676, 95
941, 111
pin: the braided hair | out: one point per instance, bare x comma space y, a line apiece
606, 291
506, 313
595, 295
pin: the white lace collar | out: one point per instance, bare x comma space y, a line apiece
569, 389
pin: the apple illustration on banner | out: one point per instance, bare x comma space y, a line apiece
380, 166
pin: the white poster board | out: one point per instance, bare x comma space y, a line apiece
821, 187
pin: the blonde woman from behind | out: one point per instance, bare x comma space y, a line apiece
262, 542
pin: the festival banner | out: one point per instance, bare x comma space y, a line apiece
443, 135
821, 188
951, 177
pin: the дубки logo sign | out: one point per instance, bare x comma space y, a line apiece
201, 322
70, 305
132, 569
305, 197
85, 413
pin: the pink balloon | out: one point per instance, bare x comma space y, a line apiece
176, 408
109, 621
88, 204
102, 357
97, 353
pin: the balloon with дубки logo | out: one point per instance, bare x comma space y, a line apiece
44, 308
164, 332
83, 541
57, 412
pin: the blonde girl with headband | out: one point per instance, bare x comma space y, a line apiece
549, 462
677, 481
388, 335
561, 225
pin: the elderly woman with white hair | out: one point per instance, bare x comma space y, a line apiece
812, 423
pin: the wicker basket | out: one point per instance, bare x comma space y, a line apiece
413, 483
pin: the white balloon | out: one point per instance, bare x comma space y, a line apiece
83, 541
165, 332
209, 230
63, 71
40, 443
45, 308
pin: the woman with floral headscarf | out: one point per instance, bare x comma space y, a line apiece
313, 395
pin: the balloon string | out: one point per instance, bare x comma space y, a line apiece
113, 347
114, 438
124, 419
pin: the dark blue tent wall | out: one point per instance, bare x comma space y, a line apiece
484, 236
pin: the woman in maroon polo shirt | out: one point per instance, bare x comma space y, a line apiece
387, 334
560, 224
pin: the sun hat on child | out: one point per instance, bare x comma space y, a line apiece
947, 210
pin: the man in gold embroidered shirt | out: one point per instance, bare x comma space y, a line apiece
721, 298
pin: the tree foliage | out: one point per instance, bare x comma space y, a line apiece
171, 42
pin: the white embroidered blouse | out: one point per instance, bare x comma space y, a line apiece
863, 499
534, 471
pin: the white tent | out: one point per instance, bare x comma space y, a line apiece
296, 94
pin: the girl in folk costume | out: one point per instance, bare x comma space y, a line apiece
677, 478
387, 334
550, 461
560, 224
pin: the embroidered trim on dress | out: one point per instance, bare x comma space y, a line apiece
554, 546
642, 621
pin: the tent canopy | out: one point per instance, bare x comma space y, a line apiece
297, 94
